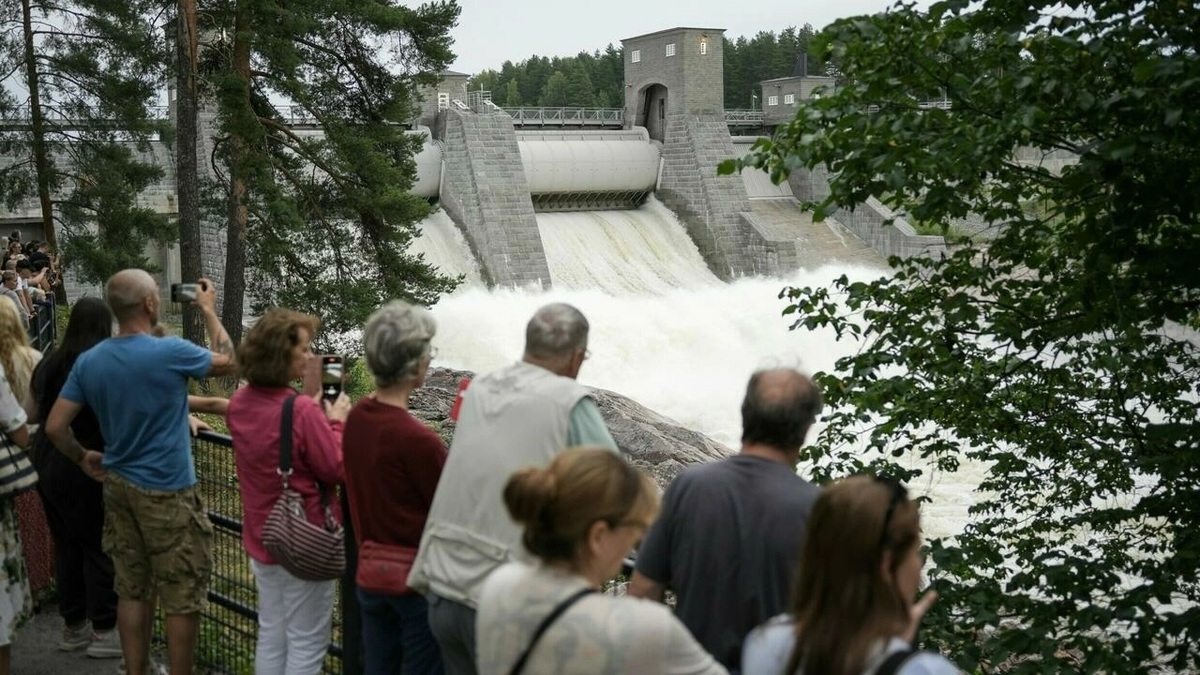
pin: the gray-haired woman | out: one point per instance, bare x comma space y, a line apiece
393, 462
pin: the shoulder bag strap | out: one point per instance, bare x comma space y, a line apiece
285, 454
537, 634
891, 665
285, 438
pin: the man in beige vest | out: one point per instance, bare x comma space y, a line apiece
521, 415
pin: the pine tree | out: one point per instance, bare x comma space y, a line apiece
84, 74
554, 94
321, 222
512, 97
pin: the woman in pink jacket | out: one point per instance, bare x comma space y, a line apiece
294, 615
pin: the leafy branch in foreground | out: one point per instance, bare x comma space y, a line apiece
1055, 360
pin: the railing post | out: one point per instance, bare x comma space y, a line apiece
352, 646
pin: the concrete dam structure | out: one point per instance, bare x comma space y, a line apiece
495, 175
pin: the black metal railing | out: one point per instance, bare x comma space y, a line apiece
43, 330
229, 625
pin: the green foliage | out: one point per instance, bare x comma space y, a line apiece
763, 57
583, 80
598, 78
328, 217
1051, 358
96, 70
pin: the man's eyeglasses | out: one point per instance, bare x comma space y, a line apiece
899, 493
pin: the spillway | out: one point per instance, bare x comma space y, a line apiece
644, 250
444, 247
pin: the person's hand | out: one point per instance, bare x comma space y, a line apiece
206, 295
197, 425
338, 409
917, 612
91, 463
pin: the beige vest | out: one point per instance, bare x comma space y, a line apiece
510, 419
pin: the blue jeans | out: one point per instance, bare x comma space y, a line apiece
396, 636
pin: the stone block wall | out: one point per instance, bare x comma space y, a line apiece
485, 192
710, 206
868, 221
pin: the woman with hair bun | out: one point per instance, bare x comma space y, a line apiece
581, 515
853, 609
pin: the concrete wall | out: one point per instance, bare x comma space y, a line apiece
695, 81
709, 206
801, 88
452, 84
868, 221
485, 192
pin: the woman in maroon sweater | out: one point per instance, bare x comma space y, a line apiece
393, 462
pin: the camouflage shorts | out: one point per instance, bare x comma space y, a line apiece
158, 540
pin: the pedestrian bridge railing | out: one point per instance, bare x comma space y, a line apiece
565, 117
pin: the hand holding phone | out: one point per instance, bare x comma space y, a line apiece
184, 292
332, 375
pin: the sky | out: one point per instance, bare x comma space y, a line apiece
491, 32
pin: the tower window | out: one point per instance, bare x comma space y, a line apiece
671, 49
636, 56
772, 100
703, 47
789, 99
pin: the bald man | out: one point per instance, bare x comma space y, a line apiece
727, 540
155, 528
518, 416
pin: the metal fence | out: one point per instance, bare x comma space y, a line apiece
229, 625
43, 329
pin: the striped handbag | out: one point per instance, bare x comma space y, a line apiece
17, 474
310, 552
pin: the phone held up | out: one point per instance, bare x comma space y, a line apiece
331, 376
184, 292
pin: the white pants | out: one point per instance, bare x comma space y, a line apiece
294, 619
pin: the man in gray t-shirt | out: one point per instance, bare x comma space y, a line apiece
729, 535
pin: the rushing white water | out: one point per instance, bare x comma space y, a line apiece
622, 252
446, 249
686, 353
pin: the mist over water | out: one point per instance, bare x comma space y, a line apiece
664, 330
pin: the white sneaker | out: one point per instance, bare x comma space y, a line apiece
106, 645
76, 638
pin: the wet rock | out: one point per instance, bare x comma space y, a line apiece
652, 442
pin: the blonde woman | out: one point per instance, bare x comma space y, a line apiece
16, 601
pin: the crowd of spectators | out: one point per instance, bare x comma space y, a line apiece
31, 275
493, 555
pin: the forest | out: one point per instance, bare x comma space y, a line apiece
595, 79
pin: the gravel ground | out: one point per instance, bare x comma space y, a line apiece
35, 651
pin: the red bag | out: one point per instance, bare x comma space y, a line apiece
383, 568
458, 398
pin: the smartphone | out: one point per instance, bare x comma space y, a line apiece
331, 376
184, 292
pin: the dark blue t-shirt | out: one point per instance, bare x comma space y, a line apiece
138, 387
727, 541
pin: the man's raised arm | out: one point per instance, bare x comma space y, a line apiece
219, 342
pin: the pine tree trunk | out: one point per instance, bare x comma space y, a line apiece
186, 171
37, 125
235, 250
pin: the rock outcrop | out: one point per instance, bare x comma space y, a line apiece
652, 442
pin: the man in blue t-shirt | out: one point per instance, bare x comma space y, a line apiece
155, 528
